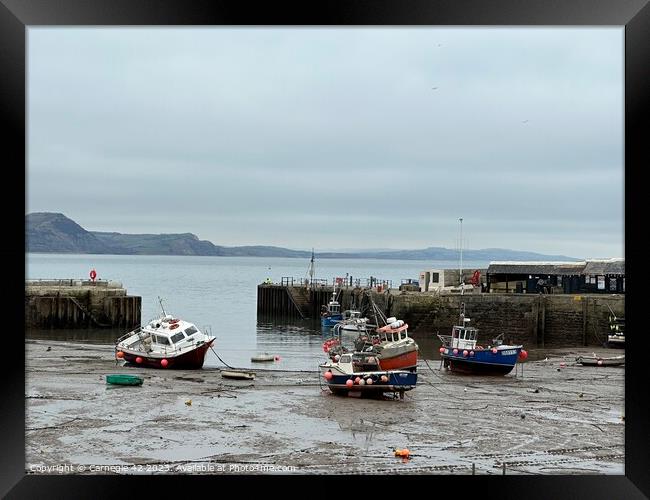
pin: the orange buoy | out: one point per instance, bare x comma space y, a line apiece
328, 375
442, 349
119, 354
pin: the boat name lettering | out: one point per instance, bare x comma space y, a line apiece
508, 353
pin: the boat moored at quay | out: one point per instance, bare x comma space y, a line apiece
460, 351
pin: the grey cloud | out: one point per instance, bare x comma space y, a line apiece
332, 134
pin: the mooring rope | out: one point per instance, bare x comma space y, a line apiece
215, 353
437, 388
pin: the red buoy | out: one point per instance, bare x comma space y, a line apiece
357, 380
494, 350
455, 351
442, 349
138, 360
328, 375
349, 383
164, 363
465, 353
523, 355
471, 353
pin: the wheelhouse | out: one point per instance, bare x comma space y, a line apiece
463, 337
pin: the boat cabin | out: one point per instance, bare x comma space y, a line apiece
345, 363
350, 314
393, 336
463, 337
167, 339
334, 308
156, 339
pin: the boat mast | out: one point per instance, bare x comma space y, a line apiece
310, 270
161, 306
311, 267
460, 271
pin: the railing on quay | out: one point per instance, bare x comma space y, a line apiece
70, 282
340, 282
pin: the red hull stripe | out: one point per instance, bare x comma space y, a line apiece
193, 359
406, 360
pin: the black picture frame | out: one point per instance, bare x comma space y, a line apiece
17, 15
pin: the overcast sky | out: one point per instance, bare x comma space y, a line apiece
333, 138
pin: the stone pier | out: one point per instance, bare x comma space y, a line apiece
74, 303
556, 320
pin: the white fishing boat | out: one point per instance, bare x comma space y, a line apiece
165, 342
352, 322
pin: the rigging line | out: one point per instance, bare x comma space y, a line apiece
437, 375
215, 353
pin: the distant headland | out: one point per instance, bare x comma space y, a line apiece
48, 232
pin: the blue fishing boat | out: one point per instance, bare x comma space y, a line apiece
460, 351
344, 377
331, 313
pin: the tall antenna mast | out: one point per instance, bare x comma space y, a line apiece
310, 271
460, 271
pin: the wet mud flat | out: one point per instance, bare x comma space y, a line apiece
558, 418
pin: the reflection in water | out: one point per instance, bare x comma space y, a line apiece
361, 430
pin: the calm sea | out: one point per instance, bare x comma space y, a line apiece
222, 292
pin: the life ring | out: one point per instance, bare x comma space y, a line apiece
93, 274
175, 325
173, 321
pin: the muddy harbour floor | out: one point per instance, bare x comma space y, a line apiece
555, 419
